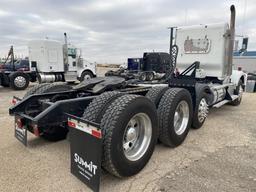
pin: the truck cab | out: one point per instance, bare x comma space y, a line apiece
51, 62
210, 47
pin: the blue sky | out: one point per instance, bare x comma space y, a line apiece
109, 31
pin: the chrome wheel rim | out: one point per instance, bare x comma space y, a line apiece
20, 81
240, 93
143, 77
137, 136
150, 77
202, 110
181, 117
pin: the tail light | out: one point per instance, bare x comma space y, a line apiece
14, 101
36, 130
19, 123
71, 124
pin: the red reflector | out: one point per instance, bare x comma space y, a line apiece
14, 101
71, 124
96, 133
19, 123
36, 130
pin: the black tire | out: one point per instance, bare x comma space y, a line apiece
5, 81
155, 94
96, 109
196, 122
237, 101
143, 76
54, 133
4, 84
166, 111
150, 76
86, 74
16, 84
113, 126
54, 87
34, 90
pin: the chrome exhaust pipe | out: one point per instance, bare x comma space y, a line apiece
231, 39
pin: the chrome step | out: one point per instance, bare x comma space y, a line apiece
218, 105
234, 97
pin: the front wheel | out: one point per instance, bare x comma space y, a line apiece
130, 130
201, 111
86, 75
239, 92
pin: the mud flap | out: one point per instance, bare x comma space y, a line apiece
85, 151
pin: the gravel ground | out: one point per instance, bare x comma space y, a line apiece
220, 156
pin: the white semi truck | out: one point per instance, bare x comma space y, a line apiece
115, 124
53, 61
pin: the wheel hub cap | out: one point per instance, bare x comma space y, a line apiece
20, 81
131, 134
87, 77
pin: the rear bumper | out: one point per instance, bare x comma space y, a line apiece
49, 113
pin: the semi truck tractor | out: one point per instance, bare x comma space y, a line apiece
54, 61
15, 73
49, 61
113, 123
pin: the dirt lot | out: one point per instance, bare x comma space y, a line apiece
220, 156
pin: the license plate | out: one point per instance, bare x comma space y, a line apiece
20, 131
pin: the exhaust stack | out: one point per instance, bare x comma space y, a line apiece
65, 52
231, 39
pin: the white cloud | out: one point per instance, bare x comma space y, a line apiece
4, 13
112, 30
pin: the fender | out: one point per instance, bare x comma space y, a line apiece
91, 67
237, 76
201, 87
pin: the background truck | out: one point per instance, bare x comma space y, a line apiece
53, 61
151, 67
16, 73
115, 123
